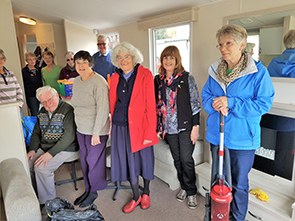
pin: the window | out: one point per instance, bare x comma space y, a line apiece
113, 39
179, 36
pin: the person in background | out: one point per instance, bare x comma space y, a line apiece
133, 114
32, 81
240, 88
10, 90
52, 143
50, 73
250, 48
178, 110
102, 59
39, 60
69, 71
284, 65
91, 106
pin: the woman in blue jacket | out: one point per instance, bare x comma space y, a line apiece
241, 89
284, 65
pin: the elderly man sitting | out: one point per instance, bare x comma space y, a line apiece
53, 141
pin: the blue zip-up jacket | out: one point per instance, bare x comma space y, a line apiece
283, 65
249, 97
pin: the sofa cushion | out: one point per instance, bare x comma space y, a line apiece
163, 154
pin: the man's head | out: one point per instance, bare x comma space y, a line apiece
103, 43
48, 97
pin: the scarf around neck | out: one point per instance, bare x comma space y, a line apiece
235, 73
164, 101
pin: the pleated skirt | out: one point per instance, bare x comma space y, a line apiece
125, 165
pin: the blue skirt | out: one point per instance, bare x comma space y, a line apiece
126, 165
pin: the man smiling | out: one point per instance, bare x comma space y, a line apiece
102, 59
53, 142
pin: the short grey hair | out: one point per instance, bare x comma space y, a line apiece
128, 48
42, 90
237, 32
102, 37
289, 39
29, 54
2, 54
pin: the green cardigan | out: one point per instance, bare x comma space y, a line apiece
50, 77
57, 133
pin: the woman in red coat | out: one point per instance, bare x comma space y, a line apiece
133, 110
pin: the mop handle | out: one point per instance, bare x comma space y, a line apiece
221, 144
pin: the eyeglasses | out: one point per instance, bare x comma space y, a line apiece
46, 101
226, 45
101, 44
71, 59
126, 57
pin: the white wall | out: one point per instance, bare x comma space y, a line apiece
60, 44
12, 138
130, 33
79, 38
8, 40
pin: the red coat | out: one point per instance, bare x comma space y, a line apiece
142, 117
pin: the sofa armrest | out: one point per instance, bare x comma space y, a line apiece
20, 201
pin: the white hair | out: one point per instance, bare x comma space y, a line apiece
128, 48
42, 90
102, 37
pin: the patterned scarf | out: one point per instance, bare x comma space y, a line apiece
164, 102
227, 78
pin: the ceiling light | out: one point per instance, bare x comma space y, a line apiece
27, 20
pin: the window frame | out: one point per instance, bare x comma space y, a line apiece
152, 45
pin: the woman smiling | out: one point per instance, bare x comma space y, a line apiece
91, 107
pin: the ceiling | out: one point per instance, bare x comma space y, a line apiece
98, 14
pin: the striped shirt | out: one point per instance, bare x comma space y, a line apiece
10, 90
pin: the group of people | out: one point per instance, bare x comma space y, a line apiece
138, 107
35, 76
130, 100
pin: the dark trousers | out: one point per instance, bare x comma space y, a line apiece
182, 148
33, 105
241, 162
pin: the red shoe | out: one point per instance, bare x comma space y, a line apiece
129, 207
145, 201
